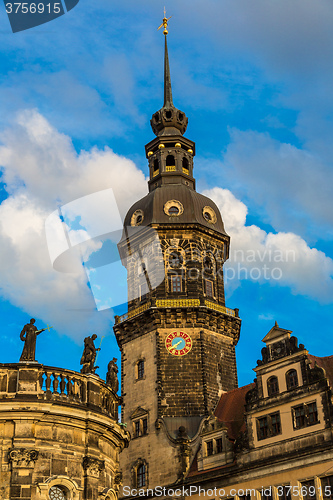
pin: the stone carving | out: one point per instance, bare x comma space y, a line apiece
252, 395
316, 373
22, 457
89, 355
118, 480
242, 442
28, 335
183, 442
112, 375
93, 466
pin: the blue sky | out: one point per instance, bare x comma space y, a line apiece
76, 98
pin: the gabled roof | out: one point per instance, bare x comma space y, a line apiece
275, 333
230, 410
325, 362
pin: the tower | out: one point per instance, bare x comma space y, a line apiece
178, 338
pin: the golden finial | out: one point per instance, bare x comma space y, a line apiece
165, 23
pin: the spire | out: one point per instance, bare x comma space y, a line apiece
168, 120
167, 78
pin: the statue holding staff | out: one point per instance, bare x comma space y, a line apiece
29, 335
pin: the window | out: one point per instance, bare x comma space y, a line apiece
173, 210
144, 426
176, 284
141, 369
209, 288
292, 379
170, 161
156, 165
273, 386
312, 413
141, 476
263, 428
219, 445
137, 428
304, 415
327, 487
209, 448
308, 490
58, 493
269, 426
175, 259
275, 424
208, 265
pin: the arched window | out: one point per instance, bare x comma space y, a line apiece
208, 265
141, 476
156, 165
170, 161
58, 493
291, 379
185, 166
175, 259
141, 369
273, 386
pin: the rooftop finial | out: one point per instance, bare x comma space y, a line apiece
167, 79
164, 23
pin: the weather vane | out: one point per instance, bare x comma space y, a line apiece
165, 23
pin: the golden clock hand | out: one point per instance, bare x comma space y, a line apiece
175, 345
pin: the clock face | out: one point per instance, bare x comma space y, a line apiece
178, 343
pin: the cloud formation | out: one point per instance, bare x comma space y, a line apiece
293, 185
41, 170
283, 259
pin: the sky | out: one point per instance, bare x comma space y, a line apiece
76, 98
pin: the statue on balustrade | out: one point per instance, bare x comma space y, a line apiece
112, 375
29, 335
89, 355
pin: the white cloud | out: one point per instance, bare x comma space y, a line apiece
293, 185
283, 259
42, 170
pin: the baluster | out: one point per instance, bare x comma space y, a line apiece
48, 381
55, 383
62, 384
69, 387
41, 380
79, 390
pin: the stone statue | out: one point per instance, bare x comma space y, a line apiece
112, 375
89, 355
28, 335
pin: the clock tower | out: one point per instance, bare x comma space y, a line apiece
178, 338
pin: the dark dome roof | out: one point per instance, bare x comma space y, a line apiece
153, 210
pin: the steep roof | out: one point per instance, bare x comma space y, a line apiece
325, 362
230, 410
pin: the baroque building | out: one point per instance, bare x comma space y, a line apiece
192, 427
59, 433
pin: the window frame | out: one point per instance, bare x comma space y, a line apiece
179, 286
211, 284
270, 432
290, 386
141, 475
140, 369
273, 383
304, 407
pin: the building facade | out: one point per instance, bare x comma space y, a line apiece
192, 426
59, 435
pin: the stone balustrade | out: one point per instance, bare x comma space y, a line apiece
30, 380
